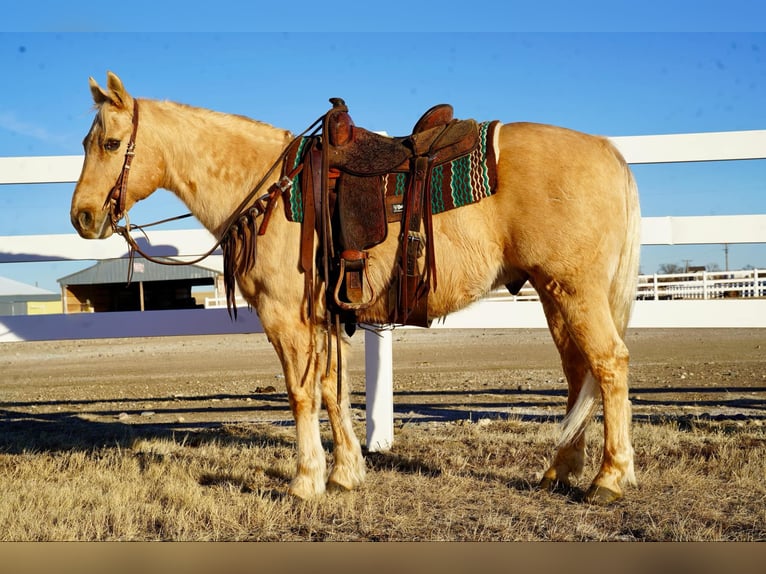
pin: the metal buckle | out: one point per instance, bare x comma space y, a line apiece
285, 184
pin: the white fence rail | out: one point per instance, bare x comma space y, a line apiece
658, 306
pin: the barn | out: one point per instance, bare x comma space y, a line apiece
105, 287
17, 298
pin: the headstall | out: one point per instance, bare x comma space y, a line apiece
116, 199
250, 208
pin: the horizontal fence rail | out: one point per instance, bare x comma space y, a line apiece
725, 299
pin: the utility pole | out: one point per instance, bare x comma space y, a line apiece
726, 254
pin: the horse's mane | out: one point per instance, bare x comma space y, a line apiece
216, 117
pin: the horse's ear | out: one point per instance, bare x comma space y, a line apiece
116, 94
99, 95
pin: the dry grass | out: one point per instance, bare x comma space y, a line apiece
181, 439
443, 481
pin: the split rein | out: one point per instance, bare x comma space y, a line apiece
116, 201
249, 209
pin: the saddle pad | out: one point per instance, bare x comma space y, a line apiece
294, 198
462, 181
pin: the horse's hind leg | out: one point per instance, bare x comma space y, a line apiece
586, 313
570, 456
348, 469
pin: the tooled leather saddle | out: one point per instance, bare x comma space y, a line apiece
343, 184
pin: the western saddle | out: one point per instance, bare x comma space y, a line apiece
343, 186
338, 183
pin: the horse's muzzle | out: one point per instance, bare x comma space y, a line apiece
89, 225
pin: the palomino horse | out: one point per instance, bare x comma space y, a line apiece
565, 216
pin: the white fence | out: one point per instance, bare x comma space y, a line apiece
745, 283
658, 305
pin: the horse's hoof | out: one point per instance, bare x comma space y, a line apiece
306, 489
601, 495
333, 486
554, 485
548, 484
344, 481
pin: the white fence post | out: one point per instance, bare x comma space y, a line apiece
705, 285
379, 386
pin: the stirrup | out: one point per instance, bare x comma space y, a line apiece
354, 257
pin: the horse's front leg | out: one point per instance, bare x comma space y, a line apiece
348, 469
298, 354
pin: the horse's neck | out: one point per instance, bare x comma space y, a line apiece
211, 160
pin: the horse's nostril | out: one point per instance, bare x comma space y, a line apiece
85, 219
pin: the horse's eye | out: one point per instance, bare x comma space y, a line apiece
112, 145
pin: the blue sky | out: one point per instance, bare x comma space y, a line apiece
610, 83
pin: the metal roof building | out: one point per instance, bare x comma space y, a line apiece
104, 286
17, 298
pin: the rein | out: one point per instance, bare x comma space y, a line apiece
248, 210
117, 198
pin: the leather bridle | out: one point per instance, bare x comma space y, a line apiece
117, 198
250, 208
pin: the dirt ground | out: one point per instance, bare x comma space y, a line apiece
439, 375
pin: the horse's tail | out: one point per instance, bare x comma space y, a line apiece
622, 291
622, 295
